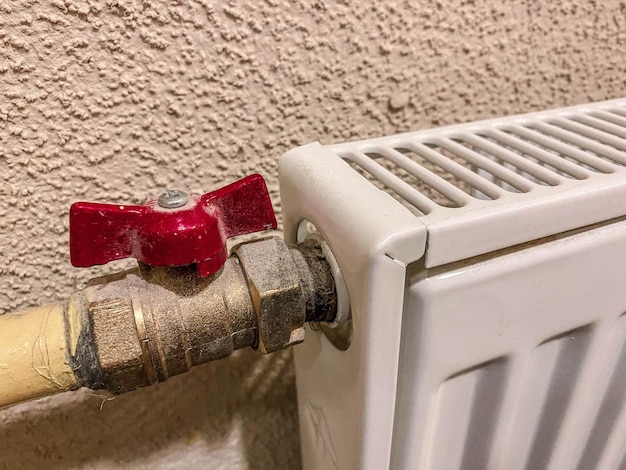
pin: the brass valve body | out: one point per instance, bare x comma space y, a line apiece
145, 325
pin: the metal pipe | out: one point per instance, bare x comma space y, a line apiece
142, 326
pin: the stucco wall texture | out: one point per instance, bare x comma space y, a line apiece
115, 100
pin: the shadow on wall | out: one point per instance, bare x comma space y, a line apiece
238, 413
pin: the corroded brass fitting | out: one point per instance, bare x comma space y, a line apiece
276, 292
145, 325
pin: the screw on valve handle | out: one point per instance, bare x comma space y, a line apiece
174, 230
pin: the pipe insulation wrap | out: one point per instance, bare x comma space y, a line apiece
34, 355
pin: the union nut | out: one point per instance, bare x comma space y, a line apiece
276, 292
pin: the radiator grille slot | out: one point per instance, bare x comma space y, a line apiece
601, 125
610, 117
422, 177
562, 156
562, 130
618, 111
589, 132
490, 167
451, 168
524, 164
417, 207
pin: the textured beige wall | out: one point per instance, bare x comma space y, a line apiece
115, 100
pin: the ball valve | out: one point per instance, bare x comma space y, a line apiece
188, 302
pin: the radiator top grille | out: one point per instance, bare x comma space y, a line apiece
473, 164
491, 173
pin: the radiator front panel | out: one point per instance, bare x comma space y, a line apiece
517, 361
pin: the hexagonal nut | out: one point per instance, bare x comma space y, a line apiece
276, 292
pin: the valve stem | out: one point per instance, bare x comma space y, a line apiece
173, 199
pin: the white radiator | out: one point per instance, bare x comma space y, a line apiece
486, 270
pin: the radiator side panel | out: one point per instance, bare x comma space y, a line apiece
346, 399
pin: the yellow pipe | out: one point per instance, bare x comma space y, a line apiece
34, 355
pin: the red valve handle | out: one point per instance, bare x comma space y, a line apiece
195, 233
